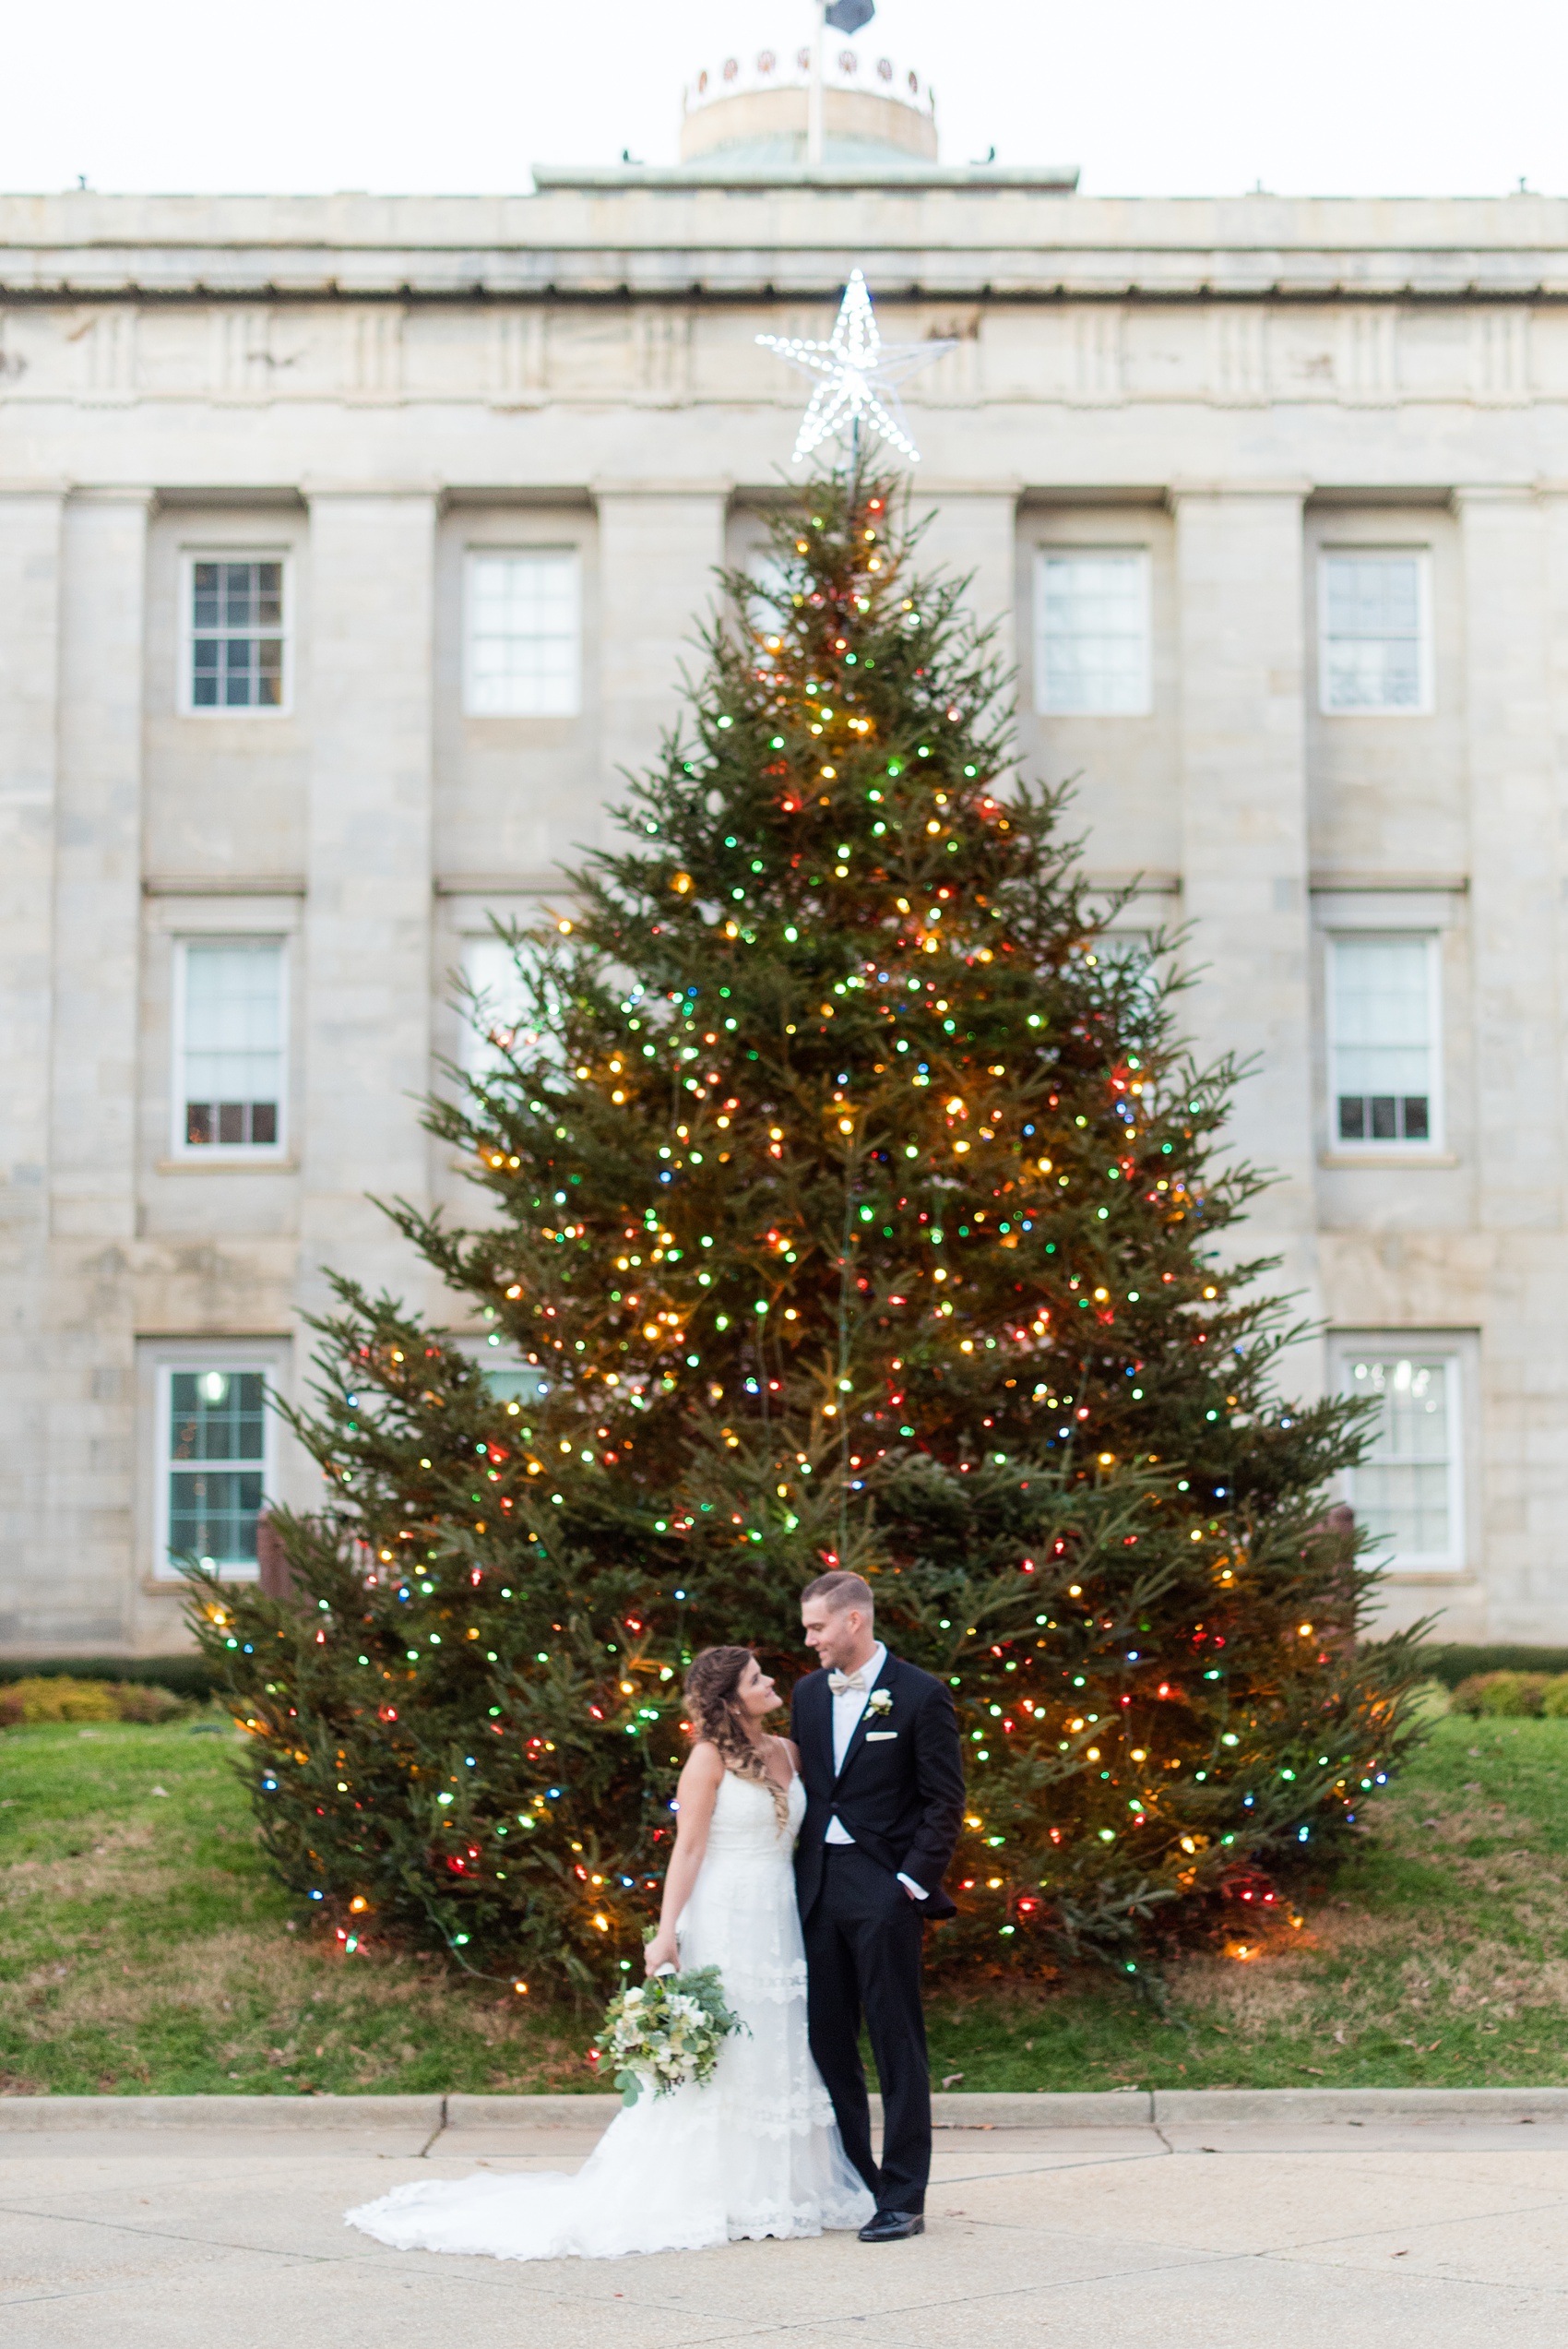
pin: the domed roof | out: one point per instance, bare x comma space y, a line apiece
751, 110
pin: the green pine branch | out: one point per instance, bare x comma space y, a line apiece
855, 1198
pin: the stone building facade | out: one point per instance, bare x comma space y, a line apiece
349, 548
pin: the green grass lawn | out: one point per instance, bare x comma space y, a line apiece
144, 1949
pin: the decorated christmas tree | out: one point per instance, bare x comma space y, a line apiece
851, 1199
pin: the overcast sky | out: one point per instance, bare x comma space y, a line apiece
1148, 98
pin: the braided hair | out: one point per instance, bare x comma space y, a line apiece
714, 1710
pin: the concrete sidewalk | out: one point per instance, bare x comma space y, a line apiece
1232, 2221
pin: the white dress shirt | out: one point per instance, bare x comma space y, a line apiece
847, 1707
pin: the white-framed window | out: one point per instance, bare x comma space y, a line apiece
1409, 1491
216, 1460
523, 633
1092, 632
763, 613
519, 1385
1374, 632
236, 657
1127, 949
768, 582
502, 1015
1384, 1027
231, 1025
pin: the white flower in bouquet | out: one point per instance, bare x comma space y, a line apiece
668, 2033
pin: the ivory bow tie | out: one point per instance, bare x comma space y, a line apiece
842, 1682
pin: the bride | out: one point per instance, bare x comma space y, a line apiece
757, 2151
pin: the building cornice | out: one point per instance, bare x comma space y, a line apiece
1363, 883
224, 885
677, 236
823, 179
500, 884
1287, 486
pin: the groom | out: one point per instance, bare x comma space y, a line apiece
884, 1774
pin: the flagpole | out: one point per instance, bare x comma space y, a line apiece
815, 99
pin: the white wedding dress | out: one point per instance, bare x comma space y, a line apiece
756, 2152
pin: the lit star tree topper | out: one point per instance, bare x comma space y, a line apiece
857, 374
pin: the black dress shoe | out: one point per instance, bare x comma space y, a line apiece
893, 2226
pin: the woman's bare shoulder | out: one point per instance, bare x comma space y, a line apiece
794, 1753
704, 1763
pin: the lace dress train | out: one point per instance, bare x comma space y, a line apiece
757, 2153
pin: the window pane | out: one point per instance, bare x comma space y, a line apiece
205, 654
204, 589
238, 579
239, 659
1093, 634
524, 627
234, 664
234, 1041
213, 1515
1372, 648
1128, 951
218, 1415
505, 1009
1403, 1490
514, 1383
767, 609
1382, 1024
215, 1465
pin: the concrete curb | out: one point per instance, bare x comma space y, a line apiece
546, 2112
413, 2114
1180, 2106
1118, 2108
1040, 2108
1114, 2108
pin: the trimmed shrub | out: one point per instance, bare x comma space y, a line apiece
188, 1677
58, 1697
1509, 1696
1453, 1664
1555, 1704
146, 1701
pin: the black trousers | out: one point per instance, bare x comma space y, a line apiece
864, 1958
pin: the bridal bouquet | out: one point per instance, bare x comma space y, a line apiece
668, 2031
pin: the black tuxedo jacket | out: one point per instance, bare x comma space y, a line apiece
900, 1793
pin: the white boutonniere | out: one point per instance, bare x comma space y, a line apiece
879, 1702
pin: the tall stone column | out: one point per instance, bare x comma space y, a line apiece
1239, 558
30, 639
367, 683
98, 865
79, 1593
658, 552
1514, 552
1509, 540
31, 523
974, 533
